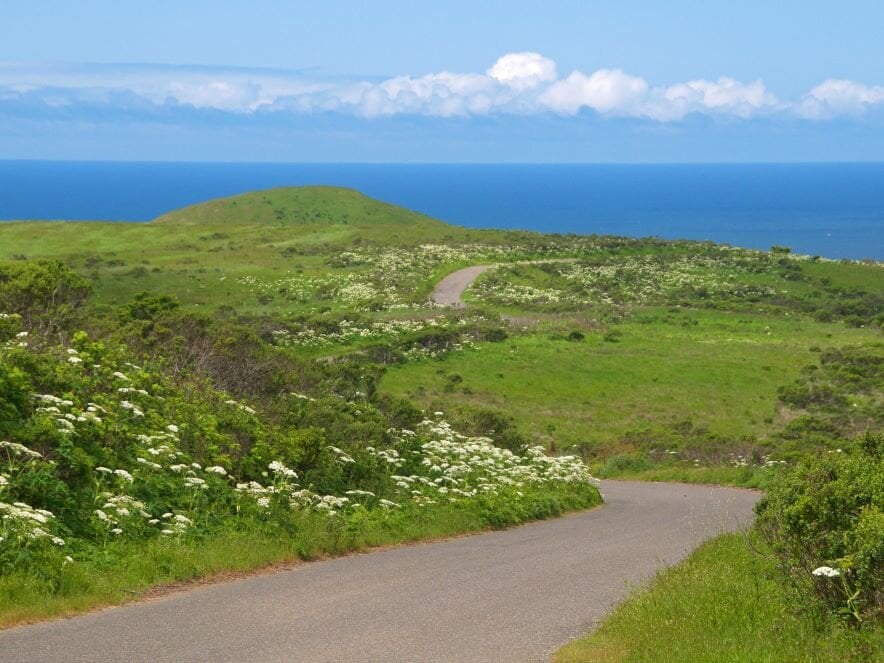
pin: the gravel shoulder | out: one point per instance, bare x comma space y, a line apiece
514, 595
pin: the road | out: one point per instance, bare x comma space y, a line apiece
449, 291
514, 595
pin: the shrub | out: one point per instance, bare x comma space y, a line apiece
824, 521
96, 451
45, 293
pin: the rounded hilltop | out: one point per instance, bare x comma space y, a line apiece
296, 206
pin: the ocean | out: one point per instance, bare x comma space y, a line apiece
833, 210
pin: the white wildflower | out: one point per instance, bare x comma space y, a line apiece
826, 571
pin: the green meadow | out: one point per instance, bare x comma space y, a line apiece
714, 370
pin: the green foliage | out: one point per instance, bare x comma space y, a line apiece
45, 293
841, 396
829, 512
99, 453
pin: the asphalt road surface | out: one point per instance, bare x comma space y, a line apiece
515, 595
448, 291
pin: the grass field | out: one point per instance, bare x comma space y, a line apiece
718, 370
722, 605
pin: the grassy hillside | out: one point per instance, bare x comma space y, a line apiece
301, 206
631, 339
202, 252
286, 338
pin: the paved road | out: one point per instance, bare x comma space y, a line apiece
515, 595
448, 291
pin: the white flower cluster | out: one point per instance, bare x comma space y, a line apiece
16, 449
293, 495
65, 414
451, 467
458, 467
21, 524
638, 279
348, 331
241, 406
826, 572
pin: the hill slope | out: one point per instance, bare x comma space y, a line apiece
294, 206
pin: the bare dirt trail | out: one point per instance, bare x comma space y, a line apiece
514, 595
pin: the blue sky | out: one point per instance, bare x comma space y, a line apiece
336, 80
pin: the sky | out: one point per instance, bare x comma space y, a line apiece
454, 81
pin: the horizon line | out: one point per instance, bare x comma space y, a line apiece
449, 163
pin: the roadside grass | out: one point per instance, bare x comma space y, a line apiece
718, 370
743, 477
723, 604
126, 571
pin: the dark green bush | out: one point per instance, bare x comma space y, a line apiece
829, 512
45, 293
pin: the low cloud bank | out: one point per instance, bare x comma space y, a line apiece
516, 84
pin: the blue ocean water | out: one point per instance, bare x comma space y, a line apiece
834, 210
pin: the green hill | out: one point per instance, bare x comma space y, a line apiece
255, 236
299, 206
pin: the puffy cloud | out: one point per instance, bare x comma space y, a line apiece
606, 91
839, 97
522, 71
523, 83
613, 92
726, 96
444, 94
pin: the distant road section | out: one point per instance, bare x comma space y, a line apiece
449, 291
515, 595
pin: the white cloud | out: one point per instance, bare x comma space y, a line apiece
726, 96
522, 71
222, 95
444, 94
839, 97
523, 83
606, 91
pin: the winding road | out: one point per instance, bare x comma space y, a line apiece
514, 595
449, 291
